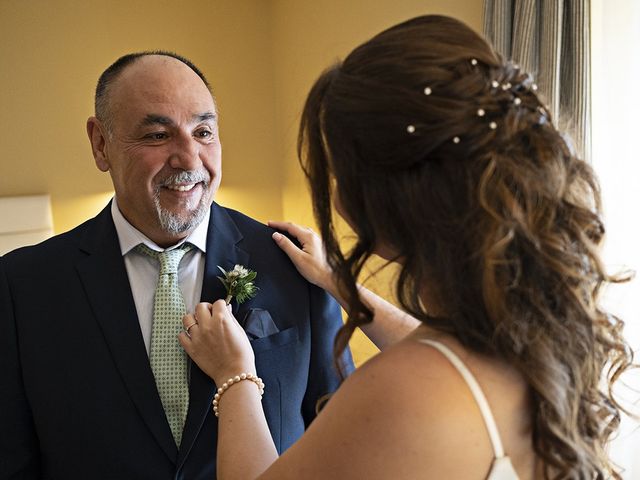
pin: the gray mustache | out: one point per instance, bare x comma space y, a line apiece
187, 177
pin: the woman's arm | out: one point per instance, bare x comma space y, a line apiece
405, 414
389, 325
220, 347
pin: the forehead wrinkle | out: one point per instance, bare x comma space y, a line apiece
154, 119
203, 117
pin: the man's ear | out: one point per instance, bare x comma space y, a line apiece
97, 136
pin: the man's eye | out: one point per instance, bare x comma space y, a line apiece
204, 133
157, 136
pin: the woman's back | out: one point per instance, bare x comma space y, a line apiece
408, 413
502, 467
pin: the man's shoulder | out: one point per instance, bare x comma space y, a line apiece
247, 223
253, 233
256, 239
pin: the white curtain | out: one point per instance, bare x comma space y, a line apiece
549, 39
616, 159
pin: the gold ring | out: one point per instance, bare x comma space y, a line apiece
186, 329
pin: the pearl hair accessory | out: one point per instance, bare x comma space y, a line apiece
495, 85
237, 379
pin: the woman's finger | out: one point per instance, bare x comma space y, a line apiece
220, 310
202, 312
300, 233
188, 322
223, 312
186, 342
290, 248
218, 306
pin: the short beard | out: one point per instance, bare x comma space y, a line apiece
174, 224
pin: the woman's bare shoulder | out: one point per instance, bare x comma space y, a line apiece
403, 414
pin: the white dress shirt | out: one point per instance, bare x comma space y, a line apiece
143, 271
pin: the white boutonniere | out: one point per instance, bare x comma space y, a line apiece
239, 283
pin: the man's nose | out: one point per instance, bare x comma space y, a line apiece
186, 153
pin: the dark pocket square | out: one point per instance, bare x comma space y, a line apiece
258, 324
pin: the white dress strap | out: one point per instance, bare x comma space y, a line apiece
481, 400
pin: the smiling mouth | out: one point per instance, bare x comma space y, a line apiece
181, 188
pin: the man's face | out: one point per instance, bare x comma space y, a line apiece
164, 152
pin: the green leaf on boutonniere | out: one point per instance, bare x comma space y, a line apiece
239, 283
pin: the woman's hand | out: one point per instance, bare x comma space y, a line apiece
214, 339
310, 260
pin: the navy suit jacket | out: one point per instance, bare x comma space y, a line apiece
77, 395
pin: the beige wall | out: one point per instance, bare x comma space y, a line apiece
261, 57
51, 54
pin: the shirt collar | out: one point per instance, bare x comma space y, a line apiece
130, 237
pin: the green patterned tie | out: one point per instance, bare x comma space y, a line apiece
168, 359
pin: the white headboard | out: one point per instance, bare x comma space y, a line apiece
24, 221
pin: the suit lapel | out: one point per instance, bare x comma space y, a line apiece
223, 238
105, 279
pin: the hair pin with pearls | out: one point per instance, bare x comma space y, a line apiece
481, 112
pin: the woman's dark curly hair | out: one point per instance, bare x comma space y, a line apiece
472, 185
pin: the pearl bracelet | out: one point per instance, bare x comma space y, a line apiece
237, 379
